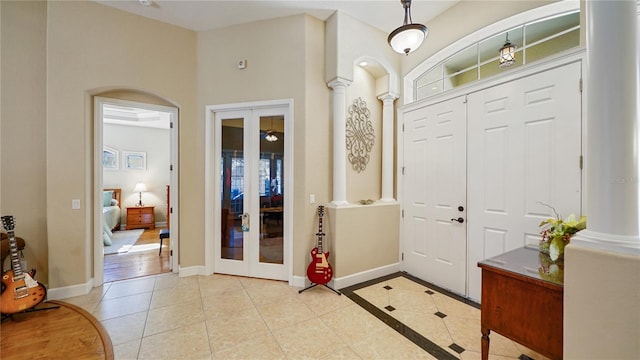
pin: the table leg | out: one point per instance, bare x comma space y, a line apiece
485, 343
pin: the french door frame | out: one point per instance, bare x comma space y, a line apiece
213, 209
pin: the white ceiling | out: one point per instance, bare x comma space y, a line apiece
202, 15
133, 116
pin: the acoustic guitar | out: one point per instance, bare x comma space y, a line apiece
319, 270
19, 291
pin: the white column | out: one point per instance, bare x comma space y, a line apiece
339, 87
387, 146
612, 170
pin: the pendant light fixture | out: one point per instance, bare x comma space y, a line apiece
507, 54
270, 135
409, 36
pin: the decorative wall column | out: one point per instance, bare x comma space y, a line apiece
387, 146
612, 158
339, 87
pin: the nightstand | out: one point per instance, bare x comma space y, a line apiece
139, 217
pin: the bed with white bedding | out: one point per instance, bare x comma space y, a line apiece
110, 213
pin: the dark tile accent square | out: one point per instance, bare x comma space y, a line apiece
524, 357
440, 315
388, 287
457, 348
429, 292
390, 308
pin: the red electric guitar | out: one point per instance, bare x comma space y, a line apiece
319, 270
19, 291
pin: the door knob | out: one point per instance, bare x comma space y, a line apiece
460, 220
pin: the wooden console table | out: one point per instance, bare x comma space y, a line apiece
519, 304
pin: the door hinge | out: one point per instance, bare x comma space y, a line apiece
171, 210
170, 167
402, 213
403, 127
402, 256
403, 170
170, 252
580, 85
581, 162
171, 125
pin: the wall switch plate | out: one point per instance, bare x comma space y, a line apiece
312, 198
75, 204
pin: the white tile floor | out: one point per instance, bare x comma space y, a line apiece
228, 317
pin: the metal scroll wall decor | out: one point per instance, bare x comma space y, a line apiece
360, 136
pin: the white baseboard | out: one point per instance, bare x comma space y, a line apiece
192, 270
70, 291
298, 281
357, 278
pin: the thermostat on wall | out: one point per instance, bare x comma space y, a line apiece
242, 64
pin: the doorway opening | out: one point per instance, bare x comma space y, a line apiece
135, 211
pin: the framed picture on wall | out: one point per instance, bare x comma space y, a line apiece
110, 158
134, 160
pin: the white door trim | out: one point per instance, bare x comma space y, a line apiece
98, 253
212, 181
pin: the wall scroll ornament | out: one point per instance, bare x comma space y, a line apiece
360, 136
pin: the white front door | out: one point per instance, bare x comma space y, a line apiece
251, 189
524, 151
434, 186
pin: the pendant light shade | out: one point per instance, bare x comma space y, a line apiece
507, 54
270, 134
408, 37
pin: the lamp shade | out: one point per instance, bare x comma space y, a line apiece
407, 38
140, 187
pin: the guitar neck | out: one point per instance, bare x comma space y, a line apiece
15, 258
320, 235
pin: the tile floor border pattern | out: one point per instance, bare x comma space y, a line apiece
409, 333
412, 335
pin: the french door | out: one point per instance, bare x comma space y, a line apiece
251, 192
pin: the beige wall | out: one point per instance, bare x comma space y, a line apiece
92, 48
362, 238
284, 61
601, 304
23, 127
366, 184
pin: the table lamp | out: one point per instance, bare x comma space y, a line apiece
139, 188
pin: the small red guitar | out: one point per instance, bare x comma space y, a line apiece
19, 291
319, 270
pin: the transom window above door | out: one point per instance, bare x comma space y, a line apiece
531, 41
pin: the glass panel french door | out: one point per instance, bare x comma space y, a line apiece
252, 193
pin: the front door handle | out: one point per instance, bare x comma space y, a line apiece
460, 220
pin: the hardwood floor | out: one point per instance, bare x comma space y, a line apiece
67, 332
141, 260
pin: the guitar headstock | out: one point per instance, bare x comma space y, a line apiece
7, 222
321, 211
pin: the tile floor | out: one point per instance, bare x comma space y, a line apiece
229, 317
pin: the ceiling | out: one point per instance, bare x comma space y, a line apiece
203, 15
133, 116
